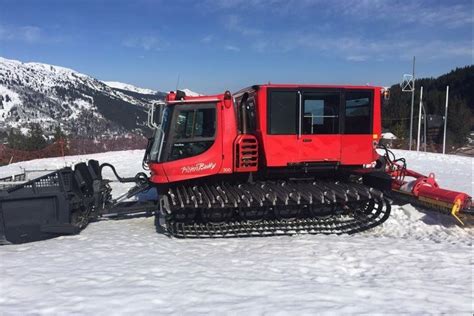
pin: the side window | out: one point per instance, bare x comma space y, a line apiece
321, 113
246, 113
282, 112
205, 123
250, 108
184, 123
358, 109
194, 132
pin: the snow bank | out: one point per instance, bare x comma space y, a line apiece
415, 263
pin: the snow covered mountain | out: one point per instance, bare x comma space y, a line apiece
128, 87
125, 87
81, 105
190, 93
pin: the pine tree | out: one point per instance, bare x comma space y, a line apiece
36, 138
461, 104
16, 140
58, 133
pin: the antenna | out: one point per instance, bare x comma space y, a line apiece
177, 82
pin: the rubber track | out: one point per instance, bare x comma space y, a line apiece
314, 208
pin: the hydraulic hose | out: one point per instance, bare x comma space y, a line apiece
139, 178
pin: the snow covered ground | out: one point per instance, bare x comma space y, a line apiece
415, 263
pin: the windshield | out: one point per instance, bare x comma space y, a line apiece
192, 132
186, 130
159, 136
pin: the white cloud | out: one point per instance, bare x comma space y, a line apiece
207, 39
358, 58
27, 33
30, 33
360, 49
419, 12
234, 23
260, 46
147, 42
404, 22
233, 4
232, 48
355, 44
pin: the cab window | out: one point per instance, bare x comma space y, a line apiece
282, 112
358, 112
321, 113
194, 132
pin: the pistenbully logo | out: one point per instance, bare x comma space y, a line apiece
198, 167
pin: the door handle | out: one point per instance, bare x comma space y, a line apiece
307, 140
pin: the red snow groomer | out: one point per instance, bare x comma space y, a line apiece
267, 160
274, 159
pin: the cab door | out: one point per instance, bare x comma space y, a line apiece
358, 134
280, 140
319, 136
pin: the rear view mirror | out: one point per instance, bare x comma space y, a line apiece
154, 114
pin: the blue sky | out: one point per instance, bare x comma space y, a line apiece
214, 45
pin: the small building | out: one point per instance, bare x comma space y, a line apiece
387, 139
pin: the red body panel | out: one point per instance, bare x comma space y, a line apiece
318, 148
357, 149
279, 150
229, 132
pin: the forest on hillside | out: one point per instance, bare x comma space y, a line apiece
396, 112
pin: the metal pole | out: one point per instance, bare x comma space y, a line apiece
424, 125
412, 104
419, 120
445, 120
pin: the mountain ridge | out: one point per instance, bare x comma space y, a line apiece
79, 104
129, 87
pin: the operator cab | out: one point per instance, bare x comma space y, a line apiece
182, 129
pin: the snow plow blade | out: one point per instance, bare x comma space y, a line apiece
62, 202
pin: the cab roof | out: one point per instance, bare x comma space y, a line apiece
219, 97
297, 85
